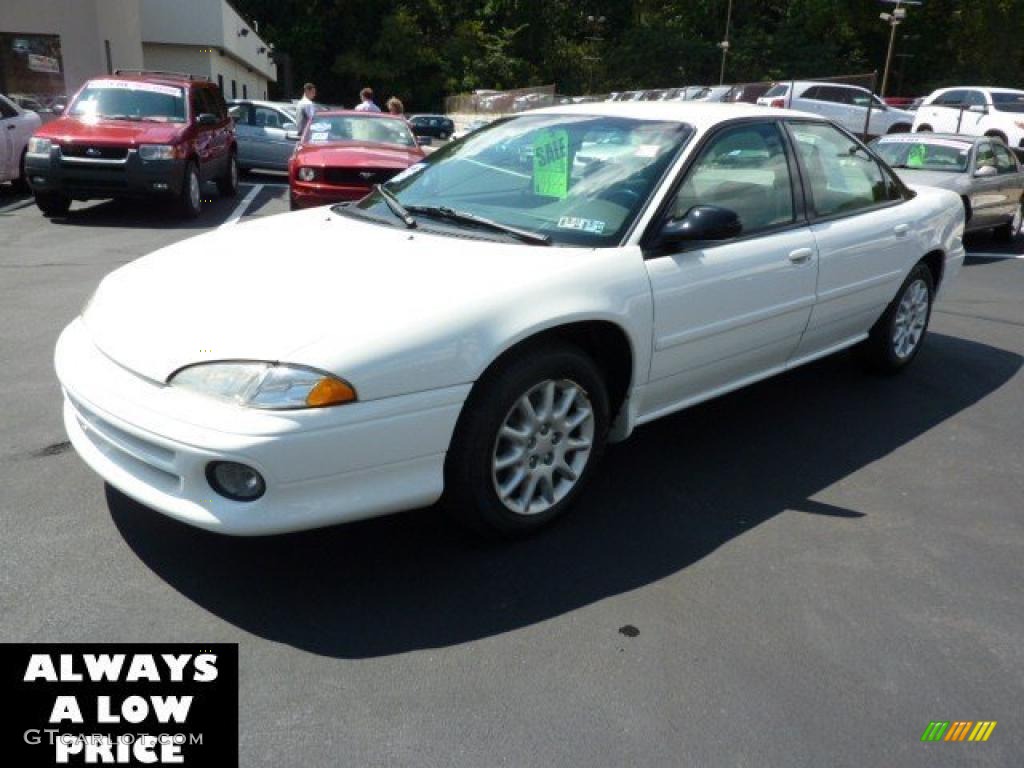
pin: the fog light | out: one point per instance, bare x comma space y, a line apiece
235, 481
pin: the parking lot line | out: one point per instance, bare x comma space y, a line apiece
17, 206
242, 206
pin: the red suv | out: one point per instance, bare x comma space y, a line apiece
135, 134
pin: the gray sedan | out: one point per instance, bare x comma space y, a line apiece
262, 128
987, 176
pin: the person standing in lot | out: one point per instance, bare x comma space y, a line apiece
306, 107
395, 107
367, 104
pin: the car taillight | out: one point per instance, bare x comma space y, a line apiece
779, 103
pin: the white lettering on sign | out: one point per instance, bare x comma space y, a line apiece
133, 85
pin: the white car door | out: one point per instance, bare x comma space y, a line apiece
861, 231
730, 309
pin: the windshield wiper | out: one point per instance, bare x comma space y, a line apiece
133, 118
396, 207
464, 217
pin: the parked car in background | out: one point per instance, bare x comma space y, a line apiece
16, 128
261, 129
342, 155
434, 126
901, 102
483, 332
982, 170
748, 93
135, 134
473, 125
975, 111
713, 93
844, 104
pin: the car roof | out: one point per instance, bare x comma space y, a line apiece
356, 113
179, 82
802, 83
700, 114
262, 103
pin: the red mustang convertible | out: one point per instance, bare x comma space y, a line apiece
342, 155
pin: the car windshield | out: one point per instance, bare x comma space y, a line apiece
1008, 101
572, 179
915, 153
128, 100
327, 129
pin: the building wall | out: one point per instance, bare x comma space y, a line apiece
83, 26
198, 60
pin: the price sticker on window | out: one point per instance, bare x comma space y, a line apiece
551, 164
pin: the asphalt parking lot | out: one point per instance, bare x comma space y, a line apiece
804, 573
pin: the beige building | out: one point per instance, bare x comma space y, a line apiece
50, 47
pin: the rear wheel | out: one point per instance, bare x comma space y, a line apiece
227, 184
53, 203
528, 440
924, 129
896, 338
190, 201
900, 128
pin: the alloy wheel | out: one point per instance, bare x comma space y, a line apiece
910, 320
543, 446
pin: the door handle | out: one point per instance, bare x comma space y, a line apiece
801, 255
11, 127
901, 229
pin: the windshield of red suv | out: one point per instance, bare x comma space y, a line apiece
1008, 101
130, 100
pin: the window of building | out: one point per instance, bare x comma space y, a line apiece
234, 90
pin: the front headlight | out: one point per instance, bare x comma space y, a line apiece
265, 385
156, 151
307, 174
39, 146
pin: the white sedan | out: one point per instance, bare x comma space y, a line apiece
16, 127
480, 326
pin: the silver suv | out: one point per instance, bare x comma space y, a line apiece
846, 105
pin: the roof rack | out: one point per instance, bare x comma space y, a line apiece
165, 73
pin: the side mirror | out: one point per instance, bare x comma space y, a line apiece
702, 222
986, 170
980, 109
207, 118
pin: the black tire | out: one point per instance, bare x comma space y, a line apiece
292, 205
924, 129
227, 184
899, 128
1004, 233
20, 184
470, 475
880, 350
190, 200
53, 203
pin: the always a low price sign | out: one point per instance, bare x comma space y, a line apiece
77, 704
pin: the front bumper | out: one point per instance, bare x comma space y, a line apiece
312, 194
84, 179
321, 466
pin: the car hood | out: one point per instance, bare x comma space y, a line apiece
113, 132
358, 156
275, 289
941, 179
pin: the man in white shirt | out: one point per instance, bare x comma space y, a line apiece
367, 104
306, 107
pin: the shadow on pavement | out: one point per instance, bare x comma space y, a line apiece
151, 214
670, 496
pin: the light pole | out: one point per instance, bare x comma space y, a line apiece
894, 19
724, 45
594, 25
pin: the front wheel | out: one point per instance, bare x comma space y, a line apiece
191, 202
20, 184
52, 203
528, 439
896, 338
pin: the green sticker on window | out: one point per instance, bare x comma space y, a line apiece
551, 164
916, 156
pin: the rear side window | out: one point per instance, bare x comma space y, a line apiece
777, 90
839, 174
1004, 160
745, 170
950, 99
6, 110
